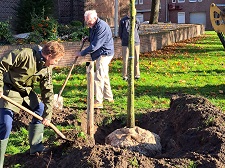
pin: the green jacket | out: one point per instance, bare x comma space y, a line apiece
19, 70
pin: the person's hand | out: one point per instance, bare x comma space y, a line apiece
46, 122
84, 38
1, 93
77, 54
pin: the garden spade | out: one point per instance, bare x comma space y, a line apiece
58, 99
35, 115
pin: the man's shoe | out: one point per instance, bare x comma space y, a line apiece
125, 78
98, 105
137, 77
110, 100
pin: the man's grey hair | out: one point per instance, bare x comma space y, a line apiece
91, 13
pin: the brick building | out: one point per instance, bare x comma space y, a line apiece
66, 11
6, 9
174, 11
180, 11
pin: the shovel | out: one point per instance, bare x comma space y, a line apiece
58, 99
35, 115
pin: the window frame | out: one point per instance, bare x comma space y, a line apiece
181, 14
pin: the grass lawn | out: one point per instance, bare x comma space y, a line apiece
195, 66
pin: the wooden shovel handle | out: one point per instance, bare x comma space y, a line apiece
33, 114
68, 76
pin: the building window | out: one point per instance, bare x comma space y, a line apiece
181, 17
136, 1
199, 0
192, 0
140, 1
181, 1
140, 17
173, 1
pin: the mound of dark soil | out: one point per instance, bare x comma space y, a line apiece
192, 134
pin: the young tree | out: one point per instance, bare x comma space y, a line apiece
130, 99
154, 12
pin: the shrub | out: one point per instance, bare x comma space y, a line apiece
76, 23
35, 37
79, 33
46, 28
73, 31
5, 33
27, 8
65, 30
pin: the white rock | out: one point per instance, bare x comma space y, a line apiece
135, 139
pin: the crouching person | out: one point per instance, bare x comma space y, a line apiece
19, 70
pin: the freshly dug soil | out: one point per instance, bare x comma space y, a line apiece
192, 134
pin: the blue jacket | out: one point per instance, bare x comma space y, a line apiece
101, 41
124, 29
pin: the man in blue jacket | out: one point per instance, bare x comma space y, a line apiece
124, 31
101, 49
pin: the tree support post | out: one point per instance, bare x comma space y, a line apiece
90, 98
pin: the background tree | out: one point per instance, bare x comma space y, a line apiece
28, 8
130, 99
154, 12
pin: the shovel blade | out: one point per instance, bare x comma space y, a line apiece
58, 102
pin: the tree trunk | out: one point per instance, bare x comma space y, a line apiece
154, 12
130, 99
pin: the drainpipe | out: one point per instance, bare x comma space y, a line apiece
116, 19
59, 14
167, 14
